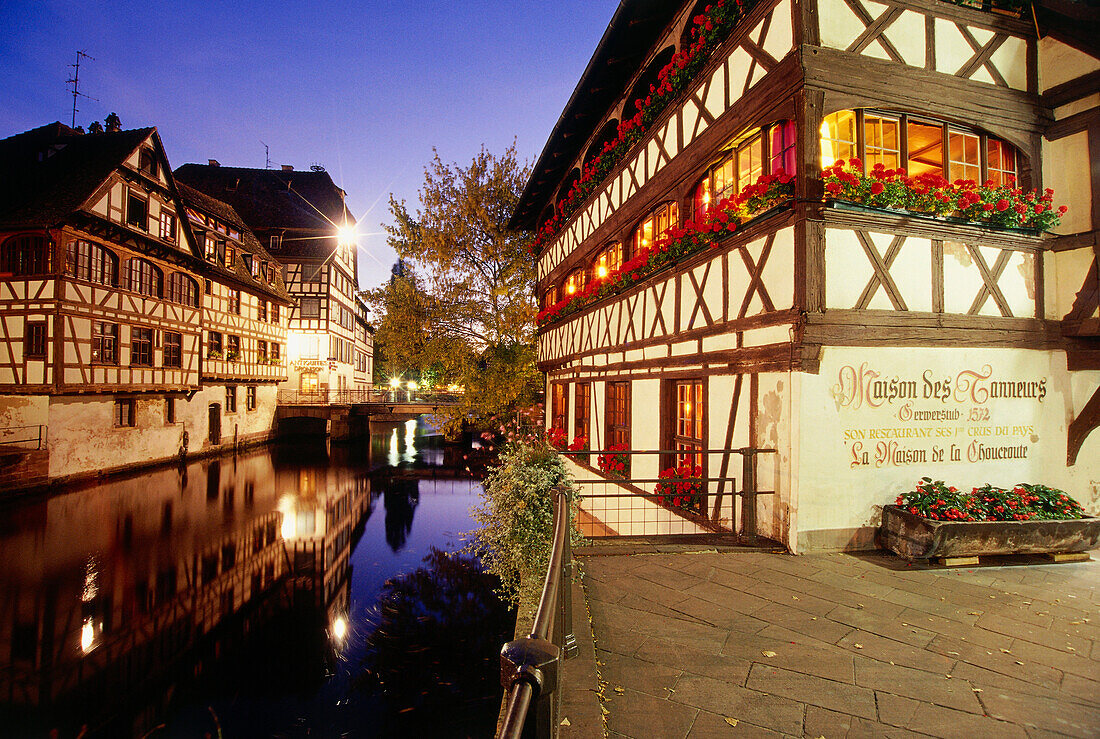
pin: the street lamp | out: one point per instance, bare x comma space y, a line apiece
395, 382
411, 390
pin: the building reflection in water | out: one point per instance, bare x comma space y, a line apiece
107, 590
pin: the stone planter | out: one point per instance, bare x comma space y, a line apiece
915, 537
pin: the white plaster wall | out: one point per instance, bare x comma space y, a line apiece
1065, 275
1066, 163
838, 493
83, 438
1060, 63
774, 430
645, 428
20, 411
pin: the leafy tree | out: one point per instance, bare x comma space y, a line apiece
477, 271
475, 325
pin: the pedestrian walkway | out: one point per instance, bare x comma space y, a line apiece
833, 645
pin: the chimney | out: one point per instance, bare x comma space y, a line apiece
112, 123
213, 162
288, 167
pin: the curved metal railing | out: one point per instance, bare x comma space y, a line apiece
529, 666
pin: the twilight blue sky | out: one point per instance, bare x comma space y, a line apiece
364, 88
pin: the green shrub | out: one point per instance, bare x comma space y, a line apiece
516, 517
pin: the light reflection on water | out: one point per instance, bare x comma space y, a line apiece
243, 588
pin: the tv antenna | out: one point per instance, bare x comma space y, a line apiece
75, 82
267, 155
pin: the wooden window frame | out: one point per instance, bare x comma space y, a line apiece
104, 343
559, 405
233, 301
125, 413
312, 301
230, 398
946, 128
167, 226
35, 340
141, 346
132, 219
582, 412
182, 289
169, 410
250, 398
674, 440
92, 262
617, 414
144, 277
173, 349
26, 255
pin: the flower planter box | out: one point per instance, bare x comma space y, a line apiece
915, 537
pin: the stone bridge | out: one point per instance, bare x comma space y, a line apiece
342, 414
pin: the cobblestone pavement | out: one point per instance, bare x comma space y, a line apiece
832, 645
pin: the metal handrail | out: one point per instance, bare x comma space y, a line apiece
19, 435
529, 666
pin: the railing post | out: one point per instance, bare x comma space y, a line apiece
748, 496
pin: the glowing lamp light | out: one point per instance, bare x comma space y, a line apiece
87, 635
601, 271
570, 289
395, 382
412, 385
346, 234
687, 407
340, 628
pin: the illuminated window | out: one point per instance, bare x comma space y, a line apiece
550, 297
883, 141
781, 147
689, 417
559, 418
1002, 163
923, 146
925, 155
964, 156
608, 261
838, 137
654, 225
575, 281
750, 162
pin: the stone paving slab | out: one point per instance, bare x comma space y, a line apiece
749, 643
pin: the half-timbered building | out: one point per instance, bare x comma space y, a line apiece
303, 221
97, 344
245, 307
868, 346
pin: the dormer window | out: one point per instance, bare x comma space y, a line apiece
147, 163
276, 242
137, 211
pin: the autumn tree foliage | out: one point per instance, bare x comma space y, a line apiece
468, 286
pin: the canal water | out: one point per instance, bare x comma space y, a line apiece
297, 590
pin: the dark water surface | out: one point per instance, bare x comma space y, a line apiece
292, 591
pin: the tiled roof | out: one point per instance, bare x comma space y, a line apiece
201, 201
300, 204
50, 172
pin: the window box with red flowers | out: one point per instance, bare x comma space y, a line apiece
679, 242
708, 30
962, 201
937, 521
615, 465
681, 487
